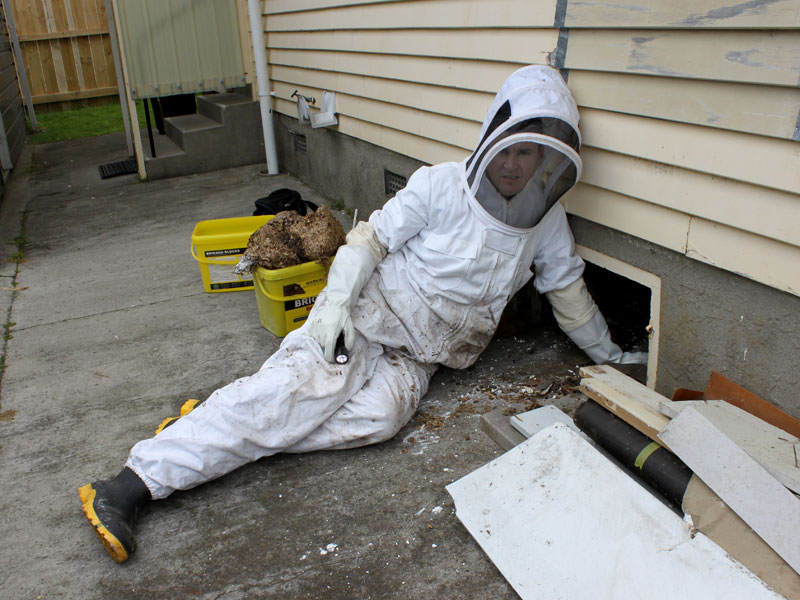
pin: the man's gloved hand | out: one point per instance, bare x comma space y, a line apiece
352, 267
330, 320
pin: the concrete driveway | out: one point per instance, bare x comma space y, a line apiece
109, 331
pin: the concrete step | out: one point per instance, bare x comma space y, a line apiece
214, 106
225, 132
182, 128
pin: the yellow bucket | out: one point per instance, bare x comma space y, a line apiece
285, 296
218, 245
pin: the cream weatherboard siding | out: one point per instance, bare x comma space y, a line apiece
689, 109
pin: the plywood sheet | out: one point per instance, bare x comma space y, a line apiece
777, 451
756, 496
562, 522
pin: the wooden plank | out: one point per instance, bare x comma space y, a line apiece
659, 225
33, 68
23, 15
720, 387
88, 65
759, 160
407, 15
58, 12
64, 64
560, 521
767, 212
108, 71
473, 75
77, 15
764, 260
775, 450
526, 45
631, 401
683, 14
55, 35
48, 67
497, 426
75, 95
757, 497
763, 110
766, 57
279, 6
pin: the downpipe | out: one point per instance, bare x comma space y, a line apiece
264, 95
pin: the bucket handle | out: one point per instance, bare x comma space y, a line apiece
257, 281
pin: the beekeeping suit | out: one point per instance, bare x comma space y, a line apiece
422, 283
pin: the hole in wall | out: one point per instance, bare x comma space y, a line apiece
624, 303
630, 300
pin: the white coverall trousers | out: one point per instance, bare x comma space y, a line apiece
296, 402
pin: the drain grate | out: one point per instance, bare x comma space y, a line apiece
300, 145
393, 182
115, 169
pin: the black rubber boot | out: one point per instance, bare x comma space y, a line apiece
111, 508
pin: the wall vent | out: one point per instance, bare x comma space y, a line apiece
299, 143
393, 182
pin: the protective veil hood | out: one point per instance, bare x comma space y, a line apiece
533, 105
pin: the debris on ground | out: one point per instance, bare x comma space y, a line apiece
289, 239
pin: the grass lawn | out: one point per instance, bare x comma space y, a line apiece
81, 123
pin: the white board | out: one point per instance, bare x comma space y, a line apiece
533, 421
561, 522
776, 450
756, 496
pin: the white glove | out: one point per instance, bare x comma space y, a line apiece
594, 339
352, 267
633, 358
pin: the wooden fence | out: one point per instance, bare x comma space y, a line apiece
66, 50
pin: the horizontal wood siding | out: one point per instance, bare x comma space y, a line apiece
690, 121
66, 49
689, 109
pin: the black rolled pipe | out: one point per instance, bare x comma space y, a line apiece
664, 472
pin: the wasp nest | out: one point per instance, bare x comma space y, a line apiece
289, 239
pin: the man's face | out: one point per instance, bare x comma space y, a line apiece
510, 170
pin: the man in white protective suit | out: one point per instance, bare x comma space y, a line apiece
422, 283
